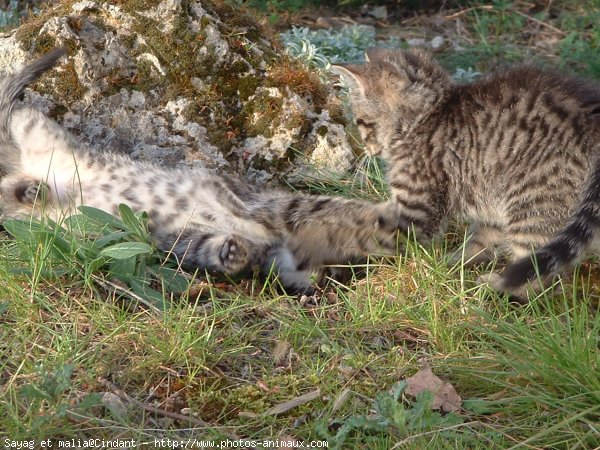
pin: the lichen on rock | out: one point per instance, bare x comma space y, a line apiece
181, 82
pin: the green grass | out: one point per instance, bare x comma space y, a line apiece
74, 335
527, 375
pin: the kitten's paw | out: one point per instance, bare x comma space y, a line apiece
233, 255
28, 192
496, 282
390, 220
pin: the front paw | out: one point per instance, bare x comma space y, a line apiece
496, 282
390, 220
233, 255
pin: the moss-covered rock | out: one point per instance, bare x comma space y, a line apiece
182, 82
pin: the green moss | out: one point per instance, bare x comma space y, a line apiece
28, 32
298, 79
58, 111
76, 23
128, 40
322, 130
238, 19
262, 114
337, 113
135, 6
44, 43
65, 84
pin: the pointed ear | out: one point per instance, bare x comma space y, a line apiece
377, 54
352, 76
391, 78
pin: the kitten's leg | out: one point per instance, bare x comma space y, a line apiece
523, 236
340, 228
524, 233
293, 278
481, 246
208, 249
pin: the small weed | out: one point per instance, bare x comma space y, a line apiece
49, 394
392, 416
92, 243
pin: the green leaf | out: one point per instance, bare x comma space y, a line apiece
94, 265
133, 223
57, 382
102, 217
33, 392
172, 279
123, 269
40, 234
151, 296
125, 250
82, 224
89, 401
23, 231
478, 406
112, 237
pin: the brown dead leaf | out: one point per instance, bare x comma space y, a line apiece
444, 394
281, 352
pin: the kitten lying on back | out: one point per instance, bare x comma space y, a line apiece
217, 223
516, 153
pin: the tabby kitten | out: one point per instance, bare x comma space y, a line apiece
515, 153
216, 223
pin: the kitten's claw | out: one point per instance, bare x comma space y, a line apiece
234, 255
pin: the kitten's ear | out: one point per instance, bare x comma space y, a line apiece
392, 79
352, 75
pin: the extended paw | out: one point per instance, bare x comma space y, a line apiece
390, 220
496, 282
233, 255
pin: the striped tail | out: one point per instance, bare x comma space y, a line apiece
566, 248
11, 88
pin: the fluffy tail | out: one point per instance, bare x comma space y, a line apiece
566, 248
11, 89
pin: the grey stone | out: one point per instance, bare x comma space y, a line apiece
181, 86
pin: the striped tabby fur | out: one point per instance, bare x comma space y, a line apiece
217, 223
515, 153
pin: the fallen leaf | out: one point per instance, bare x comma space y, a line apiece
280, 353
444, 394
